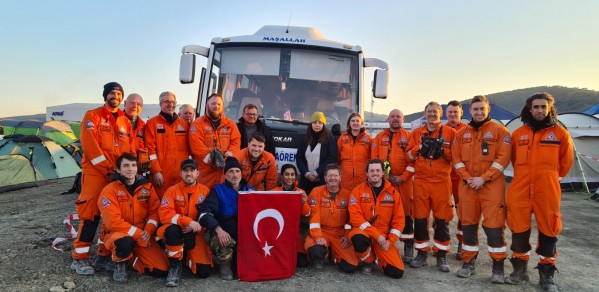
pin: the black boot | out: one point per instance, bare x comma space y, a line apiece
174, 273
120, 272
468, 269
498, 275
442, 261
420, 260
408, 251
546, 277
458, 254
520, 272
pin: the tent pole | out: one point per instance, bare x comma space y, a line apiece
578, 164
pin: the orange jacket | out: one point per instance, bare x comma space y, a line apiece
425, 169
328, 215
103, 139
454, 174
138, 133
305, 207
394, 151
263, 174
129, 213
467, 151
178, 204
353, 158
167, 144
203, 138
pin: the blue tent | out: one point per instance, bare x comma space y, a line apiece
593, 110
496, 113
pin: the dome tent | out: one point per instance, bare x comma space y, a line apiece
17, 172
59, 131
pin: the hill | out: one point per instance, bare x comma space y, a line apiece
567, 99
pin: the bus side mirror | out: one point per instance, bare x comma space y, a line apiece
381, 82
187, 68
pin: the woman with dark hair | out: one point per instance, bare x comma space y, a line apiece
313, 156
354, 147
289, 179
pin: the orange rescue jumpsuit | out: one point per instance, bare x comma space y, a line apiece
103, 139
393, 150
203, 138
141, 151
372, 216
432, 189
178, 208
168, 146
304, 219
540, 159
354, 155
471, 159
261, 175
455, 190
329, 219
126, 215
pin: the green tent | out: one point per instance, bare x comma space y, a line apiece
17, 172
59, 131
48, 158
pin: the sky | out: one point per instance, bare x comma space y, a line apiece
60, 52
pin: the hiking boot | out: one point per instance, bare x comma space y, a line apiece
318, 264
520, 272
419, 261
104, 262
458, 254
225, 271
367, 268
82, 267
174, 273
497, 277
408, 251
467, 270
442, 262
546, 277
119, 274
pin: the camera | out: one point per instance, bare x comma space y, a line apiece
432, 148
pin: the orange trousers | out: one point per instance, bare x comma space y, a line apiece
142, 259
435, 196
384, 257
334, 244
455, 191
89, 216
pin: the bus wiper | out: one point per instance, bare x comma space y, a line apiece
295, 122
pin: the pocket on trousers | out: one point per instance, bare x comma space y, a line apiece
557, 223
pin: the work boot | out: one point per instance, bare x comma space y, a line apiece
225, 271
408, 251
119, 274
546, 277
367, 268
467, 270
174, 273
497, 277
420, 260
82, 267
318, 264
458, 254
104, 262
442, 261
520, 272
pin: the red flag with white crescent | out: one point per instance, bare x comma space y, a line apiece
267, 235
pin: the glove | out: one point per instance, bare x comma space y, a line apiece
217, 159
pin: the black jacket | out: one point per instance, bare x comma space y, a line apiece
262, 128
328, 154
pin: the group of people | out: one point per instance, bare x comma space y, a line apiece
360, 194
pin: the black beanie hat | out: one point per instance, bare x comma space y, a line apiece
110, 86
231, 162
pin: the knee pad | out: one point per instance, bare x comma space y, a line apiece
173, 235
124, 246
302, 260
203, 271
546, 245
393, 272
470, 234
409, 227
441, 230
520, 242
347, 267
89, 229
494, 236
317, 251
361, 243
155, 272
420, 229
189, 240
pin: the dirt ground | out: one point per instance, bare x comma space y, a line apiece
31, 218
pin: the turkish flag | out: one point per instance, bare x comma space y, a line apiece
267, 234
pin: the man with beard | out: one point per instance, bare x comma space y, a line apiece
481, 151
187, 113
258, 167
213, 137
249, 123
542, 154
390, 147
168, 144
377, 216
105, 135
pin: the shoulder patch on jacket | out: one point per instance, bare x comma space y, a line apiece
164, 201
312, 201
89, 125
507, 139
105, 202
352, 200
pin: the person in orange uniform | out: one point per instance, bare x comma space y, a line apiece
430, 150
389, 146
542, 154
376, 215
329, 223
129, 208
480, 153
180, 229
105, 135
133, 107
354, 152
210, 136
187, 113
289, 179
258, 167
167, 140
454, 119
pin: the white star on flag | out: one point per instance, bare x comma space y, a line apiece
266, 249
